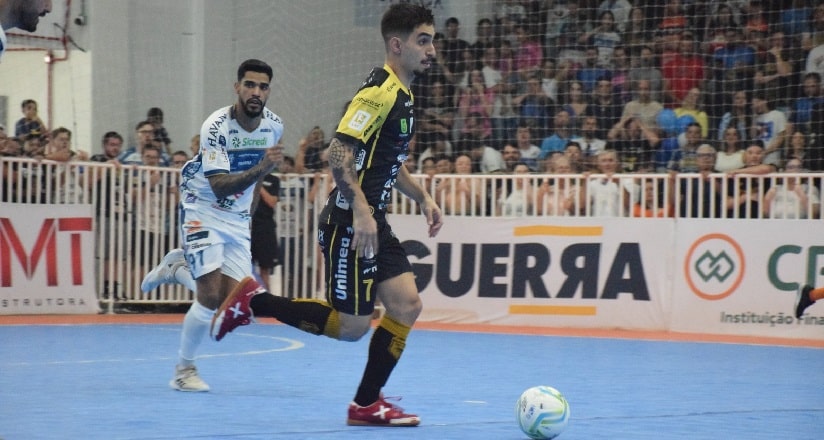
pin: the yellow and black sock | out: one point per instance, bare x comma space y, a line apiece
385, 348
310, 315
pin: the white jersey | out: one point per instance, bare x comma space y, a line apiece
225, 147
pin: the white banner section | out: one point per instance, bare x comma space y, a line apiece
46, 259
583, 272
741, 277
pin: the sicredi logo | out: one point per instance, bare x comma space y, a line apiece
714, 267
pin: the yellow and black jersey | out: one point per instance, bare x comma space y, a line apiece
379, 122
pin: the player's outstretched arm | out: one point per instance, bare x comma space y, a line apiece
413, 189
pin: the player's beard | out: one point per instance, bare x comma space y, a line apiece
252, 113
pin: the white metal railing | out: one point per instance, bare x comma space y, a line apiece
136, 215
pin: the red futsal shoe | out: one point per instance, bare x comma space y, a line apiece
380, 413
235, 310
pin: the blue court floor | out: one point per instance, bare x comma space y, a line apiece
273, 382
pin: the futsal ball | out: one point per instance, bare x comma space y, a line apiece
542, 412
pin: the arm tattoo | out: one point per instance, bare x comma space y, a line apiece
342, 164
224, 185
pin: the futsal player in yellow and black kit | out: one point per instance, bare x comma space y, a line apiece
364, 259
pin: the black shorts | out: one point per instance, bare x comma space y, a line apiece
350, 280
265, 248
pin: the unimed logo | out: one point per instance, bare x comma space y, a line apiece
714, 266
45, 248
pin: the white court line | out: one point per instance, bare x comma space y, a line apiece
290, 344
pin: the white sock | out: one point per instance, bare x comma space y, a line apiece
195, 326
184, 276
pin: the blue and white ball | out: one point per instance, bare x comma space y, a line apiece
542, 412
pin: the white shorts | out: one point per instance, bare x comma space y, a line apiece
211, 243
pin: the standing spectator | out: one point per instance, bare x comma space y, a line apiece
150, 193
194, 144
453, 48
769, 126
519, 201
265, 248
144, 137
112, 144
792, 197
731, 156
292, 226
30, 123
607, 195
161, 136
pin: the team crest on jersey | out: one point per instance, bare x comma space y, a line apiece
221, 140
359, 120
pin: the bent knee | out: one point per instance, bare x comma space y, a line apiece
354, 329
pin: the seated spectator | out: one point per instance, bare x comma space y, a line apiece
30, 123
434, 145
637, 32
731, 156
574, 102
738, 117
800, 149
533, 106
588, 141
577, 162
561, 135
718, 24
603, 38
644, 68
620, 75
685, 160
572, 26
529, 152
683, 71
635, 142
59, 149
749, 189
589, 73
603, 107
519, 201
802, 107
643, 107
485, 159
734, 62
179, 159
476, 99
754, 161
512, 157
792, 197
437, 113
769, 126
775, 70
528, 52
33, 147
690, 105
310, 147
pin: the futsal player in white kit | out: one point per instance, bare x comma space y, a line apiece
218, 190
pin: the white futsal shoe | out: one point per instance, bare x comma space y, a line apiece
187, 379
164, 273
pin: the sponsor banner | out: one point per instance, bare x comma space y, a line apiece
46, 259
581, 272
741, 277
